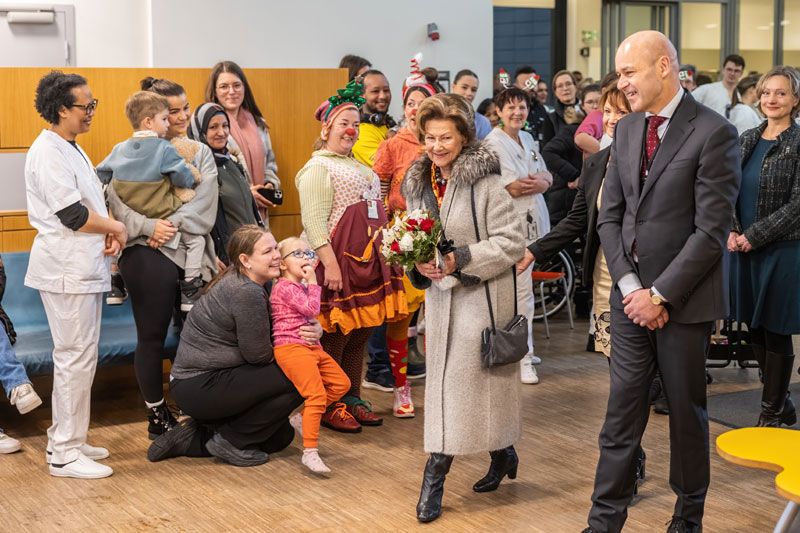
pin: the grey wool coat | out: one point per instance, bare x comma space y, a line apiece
469, 409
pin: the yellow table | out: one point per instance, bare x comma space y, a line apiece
769, 449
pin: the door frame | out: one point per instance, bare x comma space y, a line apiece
613, 21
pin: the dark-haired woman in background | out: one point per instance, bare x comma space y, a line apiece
228, 87
743, 113
466, 84
489, 110
565, 89
210, 125
356, 66
152, 270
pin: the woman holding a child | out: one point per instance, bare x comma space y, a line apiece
224, 375
152, 267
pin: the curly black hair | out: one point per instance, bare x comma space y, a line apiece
54, 92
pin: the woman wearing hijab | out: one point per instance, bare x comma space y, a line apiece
210, 125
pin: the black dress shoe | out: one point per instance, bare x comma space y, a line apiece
173, 443
589, 530
504, 463
429, 507
680, 525
641, 465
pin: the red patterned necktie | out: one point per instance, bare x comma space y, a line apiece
651, 141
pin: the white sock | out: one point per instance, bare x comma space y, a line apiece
151, 405
296, 421
314, 462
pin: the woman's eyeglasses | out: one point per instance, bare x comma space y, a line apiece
88, 108
302, 254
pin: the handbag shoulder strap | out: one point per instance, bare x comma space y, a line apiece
486, 283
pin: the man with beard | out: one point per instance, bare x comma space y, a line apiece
375, 119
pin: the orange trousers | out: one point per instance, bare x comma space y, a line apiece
318, 379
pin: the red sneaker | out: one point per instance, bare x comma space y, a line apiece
362, 411
338, 418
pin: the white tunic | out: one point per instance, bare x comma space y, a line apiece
744, 117
713, 95
58, 174
518, 162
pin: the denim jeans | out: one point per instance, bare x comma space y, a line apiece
12, 373
378, 352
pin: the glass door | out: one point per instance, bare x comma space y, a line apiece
702, 36
622, 18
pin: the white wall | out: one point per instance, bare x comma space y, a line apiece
274, 34
315, 34
108, 33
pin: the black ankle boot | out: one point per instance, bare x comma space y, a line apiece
504, 462
160, 420
430, 497
641, 465
776, 405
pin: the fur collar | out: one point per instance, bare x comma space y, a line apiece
475, 162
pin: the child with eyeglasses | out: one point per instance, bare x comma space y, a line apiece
295, 300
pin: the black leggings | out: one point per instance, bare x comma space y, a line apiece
348, 352
248, 405
772, 342
152, 283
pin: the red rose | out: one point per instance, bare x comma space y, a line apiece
412, 223
426, 225
395, 247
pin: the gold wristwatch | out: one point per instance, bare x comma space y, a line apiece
655, 298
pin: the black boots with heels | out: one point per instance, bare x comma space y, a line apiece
430, 497
504, 463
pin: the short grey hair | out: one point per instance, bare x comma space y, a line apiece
791, 74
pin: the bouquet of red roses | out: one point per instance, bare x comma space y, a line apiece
410, 239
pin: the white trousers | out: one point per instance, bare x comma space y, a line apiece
74, 321
525, 302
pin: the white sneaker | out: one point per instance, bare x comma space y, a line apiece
81, 468
528, 373
8, 444
25, 398
95, 453
403, 405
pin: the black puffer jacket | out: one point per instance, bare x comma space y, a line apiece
778, 207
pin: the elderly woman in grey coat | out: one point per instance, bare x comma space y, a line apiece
468, 408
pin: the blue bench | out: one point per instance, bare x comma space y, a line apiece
34, 344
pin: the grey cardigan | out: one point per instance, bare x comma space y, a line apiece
228, 327
778, 207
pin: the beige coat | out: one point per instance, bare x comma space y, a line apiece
469, 409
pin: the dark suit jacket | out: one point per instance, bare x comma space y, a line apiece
681, 217
581, 220
564, 160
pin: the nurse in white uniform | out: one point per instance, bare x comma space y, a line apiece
526, 177
69, 264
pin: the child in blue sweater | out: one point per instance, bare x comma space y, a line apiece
150, 177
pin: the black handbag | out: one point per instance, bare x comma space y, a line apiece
509, 344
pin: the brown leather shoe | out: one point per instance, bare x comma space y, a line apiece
362, 411
338, 418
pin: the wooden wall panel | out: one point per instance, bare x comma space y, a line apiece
287, 97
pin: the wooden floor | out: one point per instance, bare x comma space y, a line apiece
376, 474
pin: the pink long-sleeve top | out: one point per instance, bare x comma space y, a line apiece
293, 305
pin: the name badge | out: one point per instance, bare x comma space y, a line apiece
372, 209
